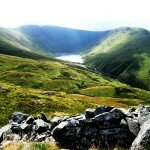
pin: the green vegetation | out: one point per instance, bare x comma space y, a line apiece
8, 49
57, 88
125, 55
31, 146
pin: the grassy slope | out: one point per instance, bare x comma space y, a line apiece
124, 54
57, 88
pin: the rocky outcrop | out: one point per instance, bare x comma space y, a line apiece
103, 127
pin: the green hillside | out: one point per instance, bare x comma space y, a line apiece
12, 44
125, 55
58, 88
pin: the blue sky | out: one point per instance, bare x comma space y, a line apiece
81, 14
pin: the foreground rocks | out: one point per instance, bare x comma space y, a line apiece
103, 127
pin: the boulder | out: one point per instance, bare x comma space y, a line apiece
109, 119
142, 141
102, 109
104, 128
78, 117
41, 126
41, 137
26, 128
44, 118
18, 117
131, 110
143, 114
67, 134
133, 125
30, 120
55, 121
109, 138
3, 131
88, 136
89, 113
16, 129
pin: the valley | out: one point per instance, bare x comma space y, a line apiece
61, 71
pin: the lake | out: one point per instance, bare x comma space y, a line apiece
71, 57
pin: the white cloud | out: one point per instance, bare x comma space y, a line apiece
85, 14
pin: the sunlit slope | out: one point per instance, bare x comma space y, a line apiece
56, 88
125, 55
15, 45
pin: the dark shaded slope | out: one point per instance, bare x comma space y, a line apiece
61, 40
9, 49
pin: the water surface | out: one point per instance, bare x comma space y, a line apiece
71, 57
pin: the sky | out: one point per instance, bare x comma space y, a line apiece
79, 14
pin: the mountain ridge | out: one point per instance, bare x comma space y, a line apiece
124, 55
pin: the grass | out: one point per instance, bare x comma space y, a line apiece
103, 91
31, 146
57, 88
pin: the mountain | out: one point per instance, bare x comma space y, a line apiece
50, 40
124, 54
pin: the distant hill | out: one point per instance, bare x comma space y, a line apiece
124, 54
51, 39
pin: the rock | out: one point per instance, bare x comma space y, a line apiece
126, 112
30, 120
18, 117
4, 130
142, 141
131, 110
90, 133
55, 121
66, 134
41, 137
143, 114
44, 118
123, 122
102, 109
89, 113
109, 138
16, 137
109, 119
80, 117
26, 128
133, 126
41, 126
103, 128
16, 129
